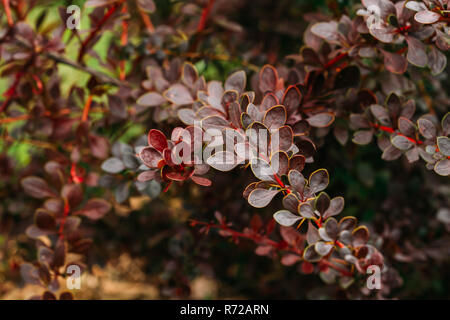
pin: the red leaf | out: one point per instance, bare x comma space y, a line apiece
307, 267
201, 181
146, 176
157, 140
167, 153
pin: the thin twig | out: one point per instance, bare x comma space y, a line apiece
205, 15
123, 42
87, 107
99, 75
147, 21
8, 12
97, 28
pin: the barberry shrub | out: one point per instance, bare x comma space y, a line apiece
171, 98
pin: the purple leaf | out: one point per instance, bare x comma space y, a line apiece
437, 61
395, 62
95, 208
215, 122
179, 95
297, 181
336, 207
151, 99
310, 254
262, 170
36, 187
150, 157
44, 219
259, 198
146, 176
381, 113
406, 126
282, 139
279, 162
362, 137
237, 81
291, 99
297, 162
268, 79
442, 167
319, 180
444, 145
426, 128
326, 30
360, 236
391, 153
306, 211
417, 54
275, 117
322, 203
189, 74
402, 143
201, 181
290, 202
286, 218
223, 161
321, 120
187, 116
323, 248
113, 165
312, 235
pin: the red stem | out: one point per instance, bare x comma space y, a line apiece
318, 222
391, 130
123, 42
73, 173
279, 181
64, 218
205, 14
8, 12
281, 184
342, 271
257, 238
167, 186
335, 60
403, 29
11, 92
147, 21
87, 107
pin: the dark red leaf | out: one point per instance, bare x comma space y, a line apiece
157, 140
201, 181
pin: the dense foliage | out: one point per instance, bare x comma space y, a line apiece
158, 123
